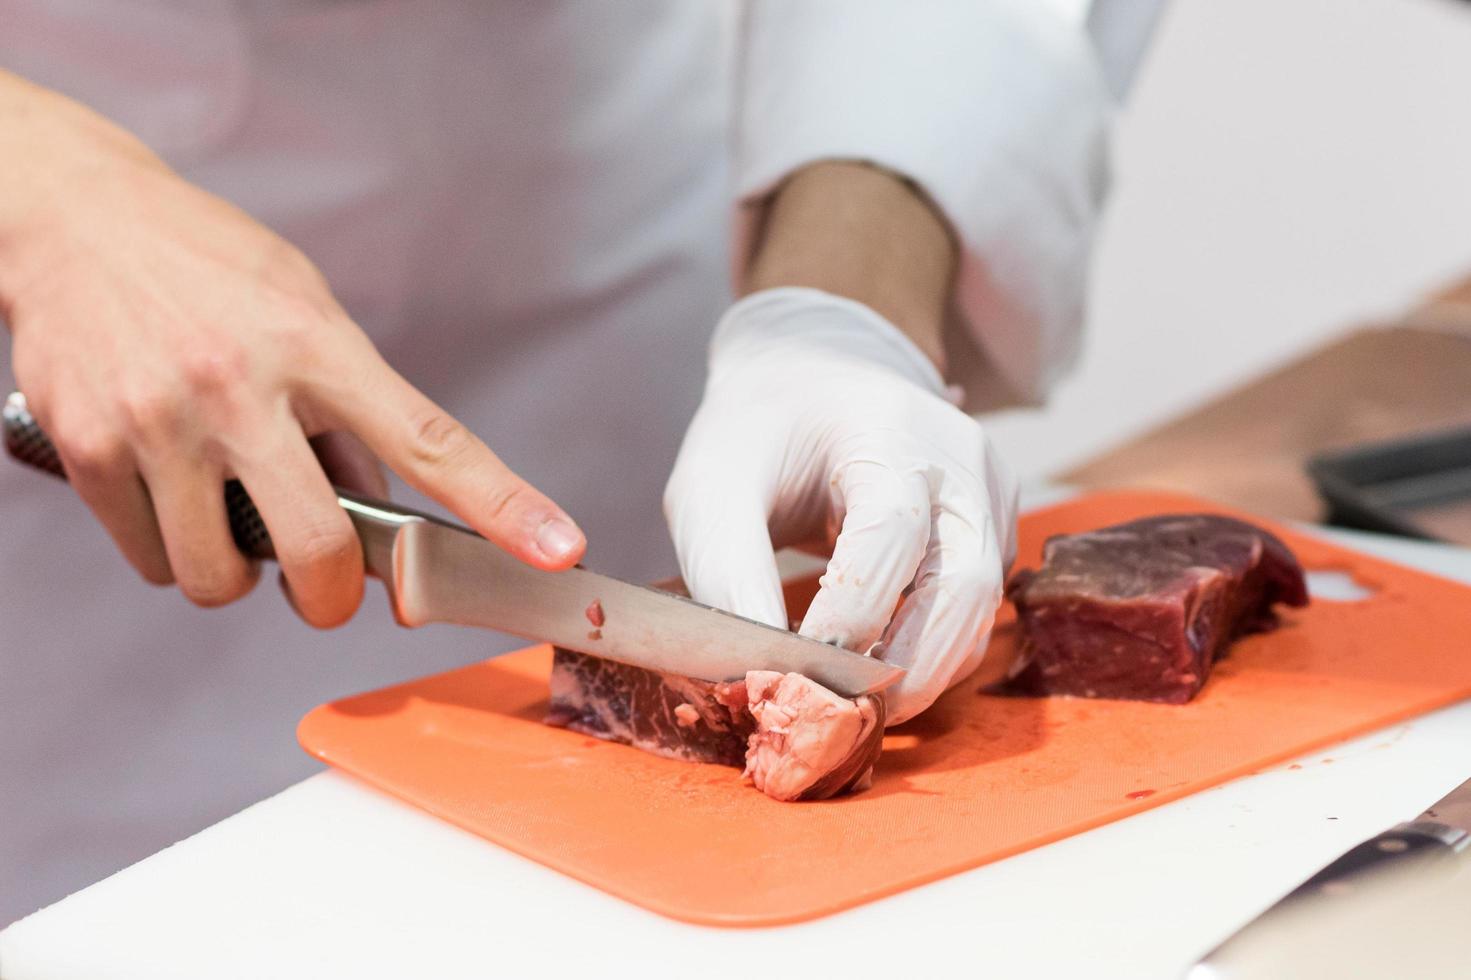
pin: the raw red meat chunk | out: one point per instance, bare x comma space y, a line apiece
794, 737
1141, 610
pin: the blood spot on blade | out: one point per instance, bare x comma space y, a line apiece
595, 614
594, 634
1140, 794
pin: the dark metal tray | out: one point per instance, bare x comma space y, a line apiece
1418, 487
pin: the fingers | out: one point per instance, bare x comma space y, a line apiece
319, 553
189, 502
886, 525
724, 549
439, 457
101, 470
939, 633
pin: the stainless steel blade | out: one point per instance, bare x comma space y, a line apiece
1394, 921
1422, 853
441, 573
1453, 809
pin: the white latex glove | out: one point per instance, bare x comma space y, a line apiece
821, 418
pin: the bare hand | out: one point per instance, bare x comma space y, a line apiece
169, 342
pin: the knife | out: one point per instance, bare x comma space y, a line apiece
1429, 847
438, 572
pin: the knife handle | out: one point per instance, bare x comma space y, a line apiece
1434, 846
27, 442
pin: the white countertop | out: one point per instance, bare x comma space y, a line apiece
332, 878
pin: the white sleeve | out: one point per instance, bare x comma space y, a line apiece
996, 109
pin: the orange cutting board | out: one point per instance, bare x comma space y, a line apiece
977, 778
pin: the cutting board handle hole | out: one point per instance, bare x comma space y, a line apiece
1337, 585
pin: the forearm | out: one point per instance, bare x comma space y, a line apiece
865, 234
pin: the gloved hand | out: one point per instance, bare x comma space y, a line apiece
821, 418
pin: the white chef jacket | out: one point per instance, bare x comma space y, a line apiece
527, 206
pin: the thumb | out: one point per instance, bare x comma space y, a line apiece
724, 550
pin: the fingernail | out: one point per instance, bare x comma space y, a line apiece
558, 538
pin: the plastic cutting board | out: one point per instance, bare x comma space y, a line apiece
977, 778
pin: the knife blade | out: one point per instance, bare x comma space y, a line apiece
1431, 845
442, 573
438, 572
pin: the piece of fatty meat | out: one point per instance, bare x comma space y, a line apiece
1142, 610
795, 739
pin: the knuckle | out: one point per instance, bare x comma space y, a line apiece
506, 499
150, 411
212, 588
294, 326
877, 493
323, 545
214, 370
92, 454
303, 322
439, 439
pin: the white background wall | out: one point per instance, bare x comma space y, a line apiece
1285, 169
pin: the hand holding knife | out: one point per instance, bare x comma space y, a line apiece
436, 571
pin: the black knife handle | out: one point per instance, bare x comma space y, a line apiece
28, 443
1432, 846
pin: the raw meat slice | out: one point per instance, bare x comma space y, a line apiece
809, 743
665, 714
795, 738
1141, 610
